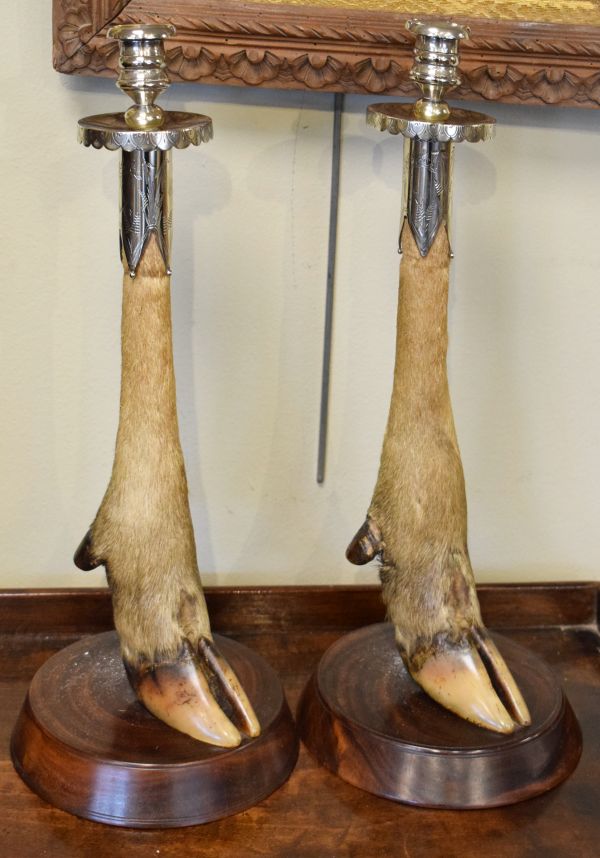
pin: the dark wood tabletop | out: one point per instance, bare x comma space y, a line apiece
315, 814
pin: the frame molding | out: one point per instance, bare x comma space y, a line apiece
329, 49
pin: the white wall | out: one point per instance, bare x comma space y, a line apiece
251, 215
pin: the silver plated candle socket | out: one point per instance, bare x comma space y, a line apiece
145, 134
430, 127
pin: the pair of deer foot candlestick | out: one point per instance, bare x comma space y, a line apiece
416, 523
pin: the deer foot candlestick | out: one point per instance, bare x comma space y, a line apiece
361, 713
143, 530
417, 521
82, 740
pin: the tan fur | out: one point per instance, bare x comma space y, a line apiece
419, 503
143, 530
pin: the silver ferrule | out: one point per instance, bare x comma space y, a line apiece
145, 205
430, 128
426, 194
145, 134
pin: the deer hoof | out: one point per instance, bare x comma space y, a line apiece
462, 677
83, 557
197, 694
366, 544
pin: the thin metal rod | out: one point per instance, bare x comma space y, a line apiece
338, 109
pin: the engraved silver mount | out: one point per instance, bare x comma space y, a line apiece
145, 134
430, 127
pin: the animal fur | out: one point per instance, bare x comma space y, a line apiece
417, 520
143, 530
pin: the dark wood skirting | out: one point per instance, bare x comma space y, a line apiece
329, 49
278, 609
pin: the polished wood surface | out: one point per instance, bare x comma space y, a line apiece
315, 814
84, 743
364, 718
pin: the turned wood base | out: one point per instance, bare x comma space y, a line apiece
363, 718
86, 745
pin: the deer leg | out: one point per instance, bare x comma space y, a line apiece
143, 535
417, 521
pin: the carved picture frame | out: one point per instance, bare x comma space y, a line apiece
337, 49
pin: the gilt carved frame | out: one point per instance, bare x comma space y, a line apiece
335, 49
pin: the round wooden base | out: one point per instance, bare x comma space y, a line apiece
364, 718
86, 745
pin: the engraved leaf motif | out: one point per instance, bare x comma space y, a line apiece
424, 221
437, 174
